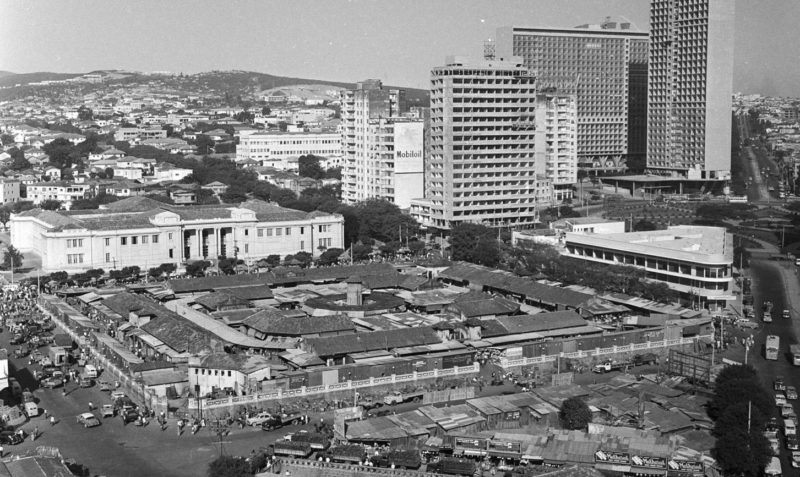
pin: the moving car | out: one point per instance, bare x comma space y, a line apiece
88, 420
86, 382
107, 410
259, 419
52, 382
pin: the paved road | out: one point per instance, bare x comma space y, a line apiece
113, 449
768, 284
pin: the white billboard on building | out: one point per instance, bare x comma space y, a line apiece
409, 162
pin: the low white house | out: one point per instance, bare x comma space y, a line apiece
219, 371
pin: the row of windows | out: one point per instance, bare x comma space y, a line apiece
277, 231
74, 243
135, 239
73, 258
216, 372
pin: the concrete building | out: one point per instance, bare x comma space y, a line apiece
144, 232
239, 373
383, 152
695, 261
62, 191
275, 149
10, 190
499, 147
689, 88
606, 64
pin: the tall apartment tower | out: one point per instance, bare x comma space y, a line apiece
607, 63
499, 148
382, 146
689, 88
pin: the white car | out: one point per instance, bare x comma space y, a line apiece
258, 419
796, 459
788, 411
775, 444
780, 399
791, 393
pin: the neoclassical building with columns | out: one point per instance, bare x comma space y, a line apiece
146, 233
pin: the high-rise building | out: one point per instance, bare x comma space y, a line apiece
499, 148
606, 64
383, 146
689, 88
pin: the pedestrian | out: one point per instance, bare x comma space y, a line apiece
64, 392
45, 413
52, 420
35, 433
91, 406
1, 451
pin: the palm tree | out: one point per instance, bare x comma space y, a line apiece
12, 258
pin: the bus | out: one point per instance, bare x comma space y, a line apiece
773, 468
771, 349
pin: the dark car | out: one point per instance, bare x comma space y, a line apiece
129, 415
10, 438
86, 382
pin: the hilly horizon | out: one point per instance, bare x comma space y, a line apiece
229, 80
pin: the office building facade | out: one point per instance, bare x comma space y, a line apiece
277, 149
383, 147
606, 67
499, 150
690, 88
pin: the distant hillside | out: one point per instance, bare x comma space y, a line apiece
11, 79
234, 83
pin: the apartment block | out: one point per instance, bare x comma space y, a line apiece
499, 147
275, 149
606, 66
690, 88
383, 148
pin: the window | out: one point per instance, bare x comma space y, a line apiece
278, 231
107, 241
144, 239
123, 240
323, 228
288, 231
302, 244
74, 258
74, 243
246, 232
247, 248
302, 230
229, 374
170, 253
108, 257
134, 240
216, 372
269, 232
260, 232
155, 238
196, 370
169, 236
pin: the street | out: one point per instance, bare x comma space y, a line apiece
113, 449
767, 280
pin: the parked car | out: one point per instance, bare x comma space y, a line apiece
52, 382
778, 384
86, 382
11, 438
796, 459
107, 410
792, 443
780, 399
88, 420
259, 419
791, 393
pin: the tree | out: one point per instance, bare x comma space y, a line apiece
7, 139
330, 256
109, 172
474, 243
361, 252
59, 277
735, 385
273, 260
234, 194
85, 114
304, 258
227, 265
575, 414
205, 145
644, 225
12, 258
382, 220
308, 166
50, 204
229, 466
198, 268
5, 216
62, 153
18, 160
742, 453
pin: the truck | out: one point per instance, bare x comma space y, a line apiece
398, 397
795, 352
771, 348
766, 310
275, 421
608, 366
452, 466
773, 469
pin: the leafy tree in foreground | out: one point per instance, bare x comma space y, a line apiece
575, 414
229, 466
50, 204
198, 268
742, 453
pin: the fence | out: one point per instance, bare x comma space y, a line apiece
506, 363
310, 468
348, 385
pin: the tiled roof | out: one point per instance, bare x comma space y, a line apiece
541, 321
275, 322
236, 362
482, 304
361, 342
222, 298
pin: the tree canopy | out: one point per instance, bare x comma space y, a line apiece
12, 257
474, 243
574, 413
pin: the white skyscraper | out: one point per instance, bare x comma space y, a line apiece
690, 71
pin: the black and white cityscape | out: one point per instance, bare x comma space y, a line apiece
404, 239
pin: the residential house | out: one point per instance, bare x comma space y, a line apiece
239, 373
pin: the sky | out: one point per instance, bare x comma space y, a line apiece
397, 41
